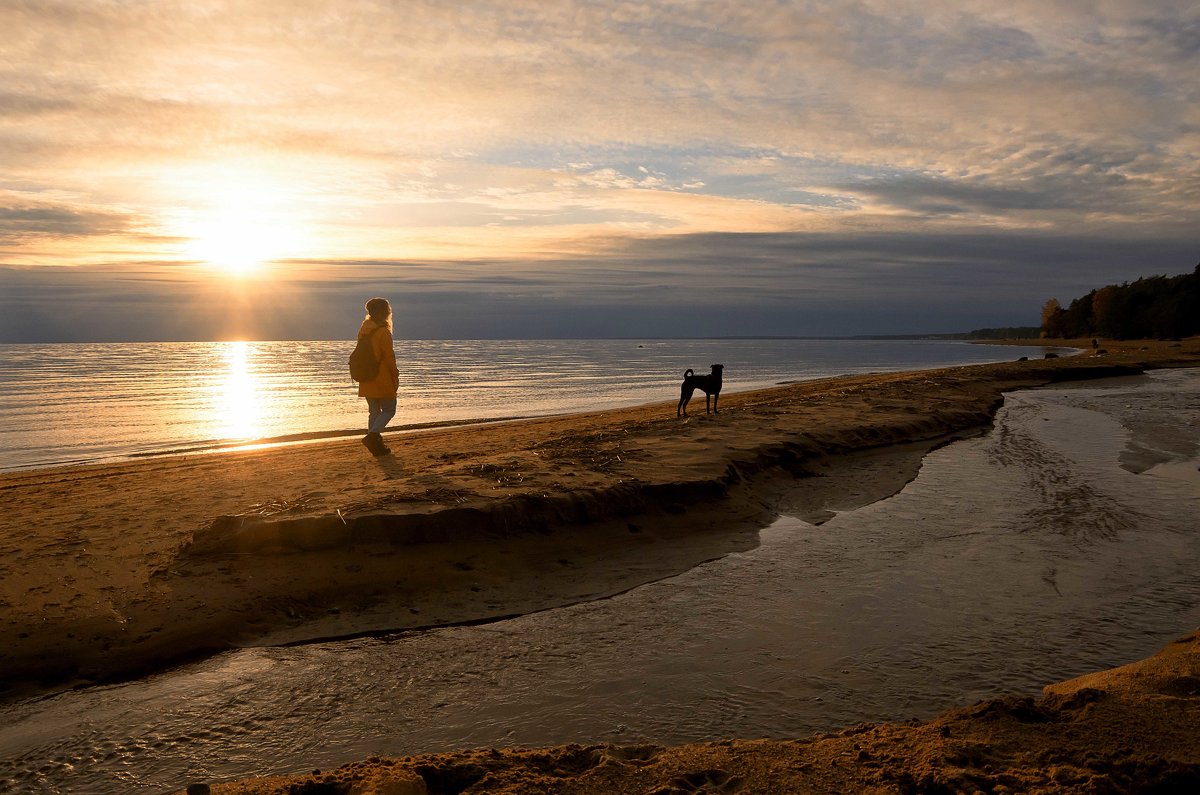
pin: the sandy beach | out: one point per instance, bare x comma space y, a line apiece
108, 572
111, 571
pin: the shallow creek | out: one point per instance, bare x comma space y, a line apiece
1064, 541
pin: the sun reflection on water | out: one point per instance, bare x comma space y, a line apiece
239, 404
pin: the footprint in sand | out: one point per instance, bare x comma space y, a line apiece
635, 755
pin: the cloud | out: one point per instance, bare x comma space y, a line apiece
34, 227
703, 285
540, 143
34, 220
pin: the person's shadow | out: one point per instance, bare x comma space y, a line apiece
391, 466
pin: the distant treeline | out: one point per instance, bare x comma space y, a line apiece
1006, 333
1156, 307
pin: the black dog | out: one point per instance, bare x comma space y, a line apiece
709, 384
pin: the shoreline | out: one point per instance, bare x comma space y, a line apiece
242, 445
116, 570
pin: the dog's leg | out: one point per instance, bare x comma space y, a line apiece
716, 397
685, 394
706, 397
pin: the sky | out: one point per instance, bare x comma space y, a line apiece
542, 168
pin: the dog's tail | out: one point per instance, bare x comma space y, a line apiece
688, 373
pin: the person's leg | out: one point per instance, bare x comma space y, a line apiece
374, 409
378, 414
383, 415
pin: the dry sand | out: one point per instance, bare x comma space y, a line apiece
110, 571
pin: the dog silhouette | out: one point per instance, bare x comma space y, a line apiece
709, 384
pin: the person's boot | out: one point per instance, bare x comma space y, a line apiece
380, 448
374, 442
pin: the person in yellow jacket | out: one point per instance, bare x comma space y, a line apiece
381, 390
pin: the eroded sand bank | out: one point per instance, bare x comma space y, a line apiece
109, 571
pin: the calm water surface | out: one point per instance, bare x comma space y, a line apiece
85, 402
78, 402
1063, 542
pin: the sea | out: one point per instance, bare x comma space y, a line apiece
99, 402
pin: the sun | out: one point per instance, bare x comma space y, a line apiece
240, 241
229, 243
236, 226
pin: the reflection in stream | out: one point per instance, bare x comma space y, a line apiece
1030, 555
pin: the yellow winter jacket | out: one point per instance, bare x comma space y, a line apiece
386, 382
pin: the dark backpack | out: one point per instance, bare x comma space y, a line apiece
363, 364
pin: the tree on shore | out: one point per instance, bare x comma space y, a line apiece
1162, 307
1051, 314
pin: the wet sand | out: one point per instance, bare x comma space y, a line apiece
111, 571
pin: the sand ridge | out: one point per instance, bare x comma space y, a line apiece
113, 570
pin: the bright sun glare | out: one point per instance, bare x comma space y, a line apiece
236, 245
240, 225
